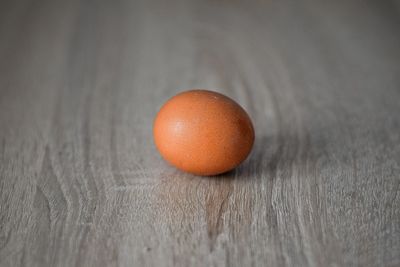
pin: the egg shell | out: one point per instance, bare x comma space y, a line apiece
203, 132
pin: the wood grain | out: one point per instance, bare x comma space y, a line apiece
81, 183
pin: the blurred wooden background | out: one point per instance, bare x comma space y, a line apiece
81, 183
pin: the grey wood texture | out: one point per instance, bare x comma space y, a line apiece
81, 183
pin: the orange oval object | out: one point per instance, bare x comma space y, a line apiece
203, 132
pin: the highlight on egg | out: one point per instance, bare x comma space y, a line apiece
203, 132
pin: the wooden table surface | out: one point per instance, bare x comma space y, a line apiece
81, 183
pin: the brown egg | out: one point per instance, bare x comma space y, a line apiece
203, 132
